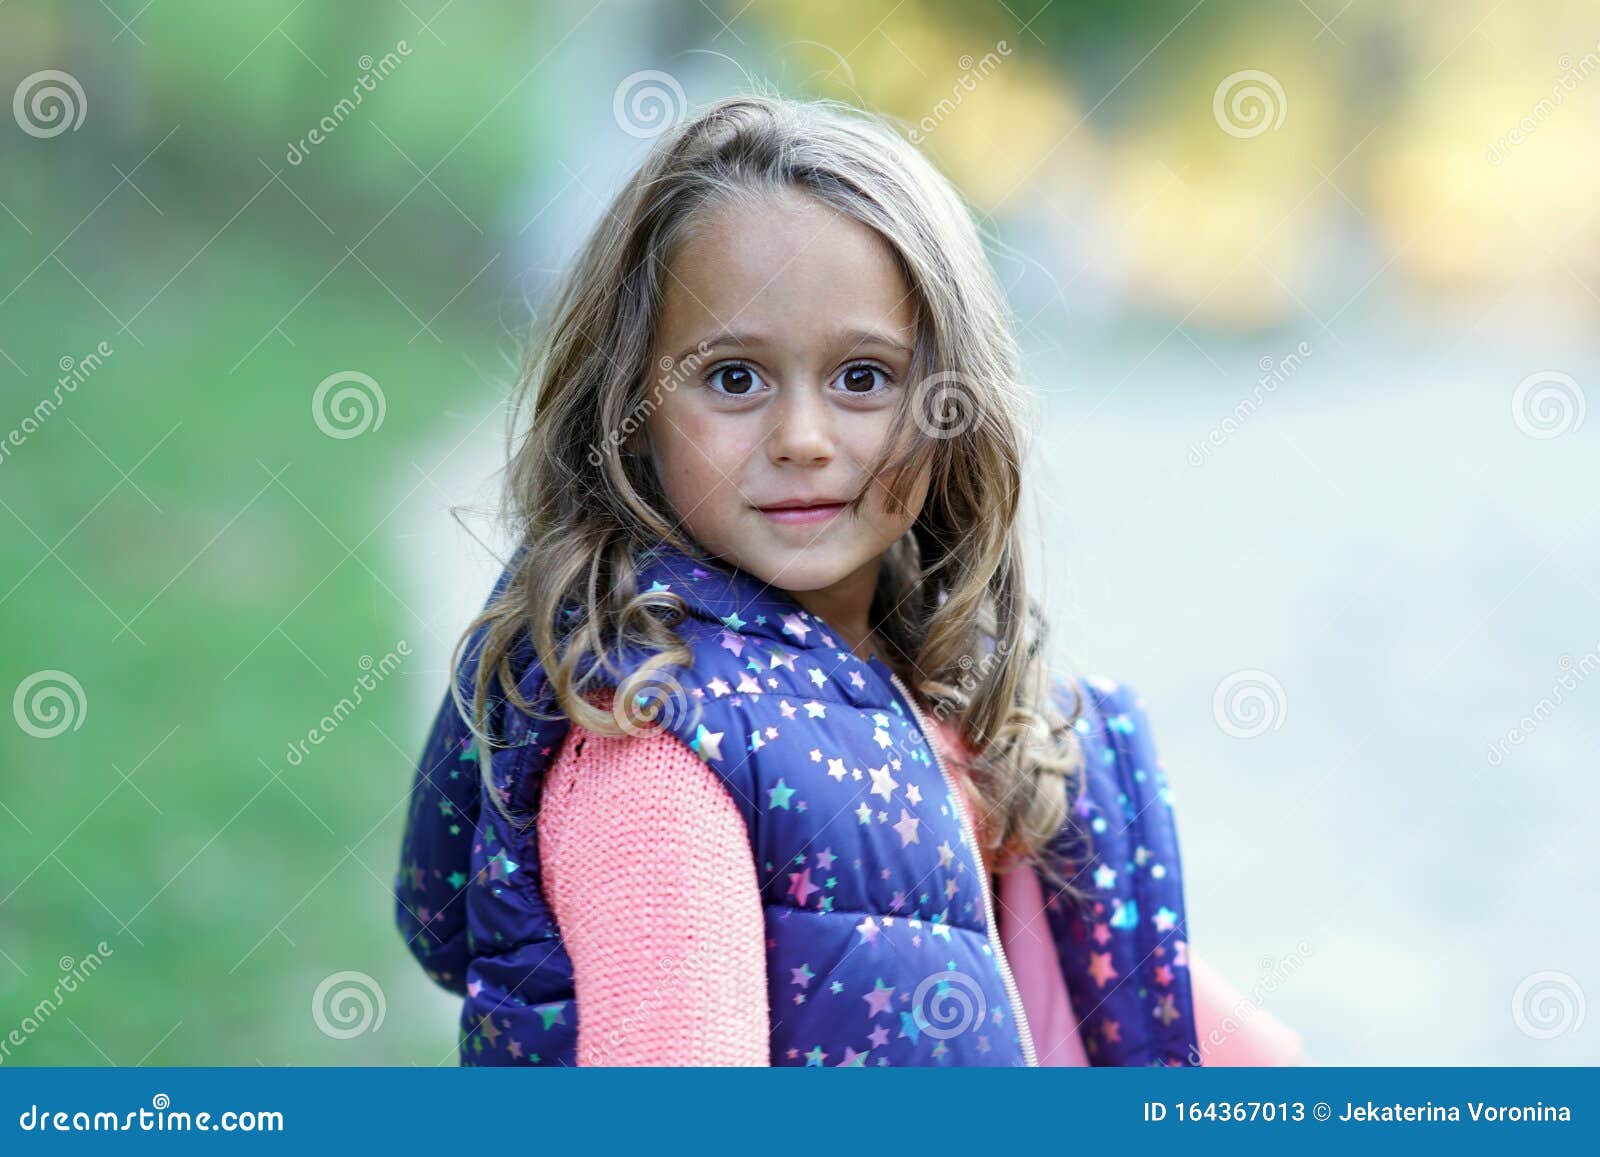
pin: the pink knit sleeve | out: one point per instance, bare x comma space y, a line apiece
648, 871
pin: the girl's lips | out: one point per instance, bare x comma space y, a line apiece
801, 515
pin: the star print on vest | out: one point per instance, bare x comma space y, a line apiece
880, 949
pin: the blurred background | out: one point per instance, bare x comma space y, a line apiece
1309, 293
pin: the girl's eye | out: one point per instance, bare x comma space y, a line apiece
862, 378
736, 381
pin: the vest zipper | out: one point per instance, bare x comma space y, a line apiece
992, 926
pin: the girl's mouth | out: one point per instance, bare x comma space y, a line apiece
798, 515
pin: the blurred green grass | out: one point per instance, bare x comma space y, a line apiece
214, 603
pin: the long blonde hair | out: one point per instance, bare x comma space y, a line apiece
951, 607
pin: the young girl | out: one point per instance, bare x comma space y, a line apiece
752, 757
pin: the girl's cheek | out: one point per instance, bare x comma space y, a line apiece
740, 449
865, 451
718, 435
727, 439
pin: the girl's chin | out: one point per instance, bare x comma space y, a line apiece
795, 572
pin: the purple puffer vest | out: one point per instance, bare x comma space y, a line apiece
882, 947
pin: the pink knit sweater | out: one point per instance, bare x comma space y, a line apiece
647, 869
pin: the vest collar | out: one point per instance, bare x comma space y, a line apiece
716, 591
720, 592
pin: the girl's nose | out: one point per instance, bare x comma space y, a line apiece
803, 435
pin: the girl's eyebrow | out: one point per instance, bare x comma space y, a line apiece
851, 337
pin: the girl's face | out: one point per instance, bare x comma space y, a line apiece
763, 440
